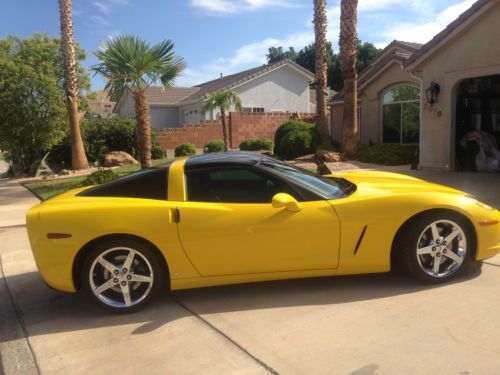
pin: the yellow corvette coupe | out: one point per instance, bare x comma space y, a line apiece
229, 218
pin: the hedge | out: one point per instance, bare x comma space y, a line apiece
388, 154
185, 149
257, 144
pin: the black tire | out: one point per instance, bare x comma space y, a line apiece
145, 264
419, 266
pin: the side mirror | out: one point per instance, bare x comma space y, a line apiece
287, 201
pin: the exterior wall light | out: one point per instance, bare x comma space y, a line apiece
432, 93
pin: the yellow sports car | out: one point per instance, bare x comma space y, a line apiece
239, 217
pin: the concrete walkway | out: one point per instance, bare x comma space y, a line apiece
358, 324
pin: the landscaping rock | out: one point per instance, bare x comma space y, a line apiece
305, 159
118, 158
324, 156
64, 172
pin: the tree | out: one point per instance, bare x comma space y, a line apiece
348, 44
366, 53
223, 100
78, 158
277, 54
33, 114
306, 57
321, 53
130, 63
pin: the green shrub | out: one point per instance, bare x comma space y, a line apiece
99, 177
291, 125
157, 153
297, 143
101, 136
334, 146
388, 154
214, 146
257, 144
185, 149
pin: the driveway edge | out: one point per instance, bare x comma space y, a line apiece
16, 355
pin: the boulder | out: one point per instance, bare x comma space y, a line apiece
118, 158
64, 172
324, 156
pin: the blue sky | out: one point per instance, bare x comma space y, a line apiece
227, 36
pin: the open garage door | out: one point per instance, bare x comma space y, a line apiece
478, 124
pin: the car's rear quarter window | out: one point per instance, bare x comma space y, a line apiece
147, 184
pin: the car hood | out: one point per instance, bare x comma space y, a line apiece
377, 182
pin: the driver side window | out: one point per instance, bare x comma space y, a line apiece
233, 185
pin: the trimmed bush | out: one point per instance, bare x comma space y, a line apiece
99, 177
157, 153
101, 136
214, 146
297, 143
257, 144
388, 154
289, 126
185, 149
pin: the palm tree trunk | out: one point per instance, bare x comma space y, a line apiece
143, 129
320, 23
348, 43
78, 158
225, 133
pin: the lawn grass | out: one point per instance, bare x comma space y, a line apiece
2, 157
45, 189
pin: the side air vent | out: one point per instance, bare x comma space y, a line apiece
360, 239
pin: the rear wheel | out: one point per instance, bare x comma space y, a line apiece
122, 276
436, 247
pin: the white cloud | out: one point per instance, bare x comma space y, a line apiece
424, 24
245, 57
219, 7
98, 20
419, 7
104, 8
422, 32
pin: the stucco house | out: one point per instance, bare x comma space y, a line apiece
433, 94
101, 106
279, 87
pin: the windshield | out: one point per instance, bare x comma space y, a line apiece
330, 188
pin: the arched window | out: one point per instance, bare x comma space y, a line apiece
401, 114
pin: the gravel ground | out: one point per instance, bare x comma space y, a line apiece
307, 163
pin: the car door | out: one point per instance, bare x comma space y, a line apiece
229, 226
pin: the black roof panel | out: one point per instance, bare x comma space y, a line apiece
224, 158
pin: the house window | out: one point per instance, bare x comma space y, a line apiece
246, 109
401, 114
258, 110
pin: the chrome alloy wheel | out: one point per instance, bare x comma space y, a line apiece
441, 248
121, 277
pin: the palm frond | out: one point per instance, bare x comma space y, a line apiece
222, 99
129, 61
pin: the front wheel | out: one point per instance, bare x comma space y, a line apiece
122, 276
436, 247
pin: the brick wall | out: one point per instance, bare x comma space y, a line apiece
241, 126
197, 134
258, 125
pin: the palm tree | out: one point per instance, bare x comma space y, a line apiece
130, 63
320, 23
348, 43
78, 158
223, 100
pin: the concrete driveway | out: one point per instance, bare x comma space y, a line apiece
375, 324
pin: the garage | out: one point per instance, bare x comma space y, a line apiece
477, 134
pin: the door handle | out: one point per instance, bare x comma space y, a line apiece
175, 215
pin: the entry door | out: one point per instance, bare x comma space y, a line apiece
228, 226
